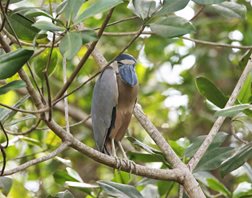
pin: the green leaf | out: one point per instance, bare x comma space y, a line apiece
40, 62
71, 172
217, 141
5, 184
243, 190
245, 92
6, 113
70, 44
207, 89
81, 185
245, 58
171, 26
97, 7
88, 36
12, 62
207, 2
119, 190
22, 27
32, 12
12, 86
146, 157
144, 8
216, 185
230, 9
143, 146
61, 177
170, 6
71, 8
213, 158
237, 160
47, 26
65, 194
232, 111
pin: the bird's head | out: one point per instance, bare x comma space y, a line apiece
126, 66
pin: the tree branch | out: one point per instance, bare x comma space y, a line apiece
219, 121
26, 165
85, 57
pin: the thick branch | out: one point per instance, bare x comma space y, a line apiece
218, 123
26, 165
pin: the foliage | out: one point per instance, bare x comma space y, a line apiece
175, 78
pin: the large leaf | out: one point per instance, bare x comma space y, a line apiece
47, 26
12, 86
218, 140
119, 190
216, 185
96, 8
171, 26
232, 111
207, 2
71, 8
213, 158
245, 92
146, 157
72, 173
32, 12
243, 190
88, 36
230, 9
170, 6
211, 92
144, 8
237, 160
5, 184
22, 26
70, 44
12, 62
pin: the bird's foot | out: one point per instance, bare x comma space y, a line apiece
131, 165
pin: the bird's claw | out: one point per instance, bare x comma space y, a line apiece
129, 164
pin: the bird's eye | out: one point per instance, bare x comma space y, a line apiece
119, 63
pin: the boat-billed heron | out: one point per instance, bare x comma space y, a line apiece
114, 98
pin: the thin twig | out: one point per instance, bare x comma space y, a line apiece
198, 12
85, 57
65, 99
139, 32
51, 155
25, 111
25, 132
219, 121
2, 148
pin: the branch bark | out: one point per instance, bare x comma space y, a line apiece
219, 121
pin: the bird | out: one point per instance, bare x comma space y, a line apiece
113, 101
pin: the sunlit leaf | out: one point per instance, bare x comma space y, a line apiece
211, 92
70, 44
243, 190
97, 7
237, 160
80, 185
232, 111
171, 26
119, 190
71, 8
12, 62
47, 26
216, 185
12, 86
171, 6
22, 26
71, 172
